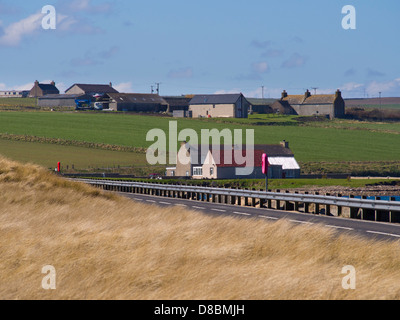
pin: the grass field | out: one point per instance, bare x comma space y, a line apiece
332, 145
77, 157
18, 102
106, 247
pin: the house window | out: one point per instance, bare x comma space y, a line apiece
197, 171
211, 171
187, 173
172, 173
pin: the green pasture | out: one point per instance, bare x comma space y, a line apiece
47, 155
309, 142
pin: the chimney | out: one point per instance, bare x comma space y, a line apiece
53, 83
36, 83
285, 144
307, 94
284, 94
338, 94
110, 84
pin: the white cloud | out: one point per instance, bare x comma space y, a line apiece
14, 33
386, 88
124, 87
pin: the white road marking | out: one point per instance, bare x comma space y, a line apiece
218, 210
181, 205
266, 217
336, 227
243, 214
152, 201
385, 234
198, 207
164, 202
137, 199
302, 222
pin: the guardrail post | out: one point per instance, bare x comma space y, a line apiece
339, 208
306, 206
296, 204
391, 212
316, 208
328, 207
277, 202
253, 200
288, 205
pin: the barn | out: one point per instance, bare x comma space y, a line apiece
136, 102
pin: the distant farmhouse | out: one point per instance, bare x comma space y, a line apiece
210, 162
219, 106
136, 102
41, 89
90, 89
332, 106
73, 93
14, 94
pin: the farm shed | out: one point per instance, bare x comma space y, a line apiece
61, 100
219, 106
178, 103
137, 102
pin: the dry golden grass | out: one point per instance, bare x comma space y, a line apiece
107, 247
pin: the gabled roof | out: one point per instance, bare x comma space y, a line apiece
137, 98
94, 88
316, 99
48, 88
215, 99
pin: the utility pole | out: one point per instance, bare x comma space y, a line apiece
158, 87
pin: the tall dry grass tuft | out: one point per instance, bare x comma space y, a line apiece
107, 247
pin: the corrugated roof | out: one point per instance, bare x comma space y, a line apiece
137, 98
287, 163
215, 99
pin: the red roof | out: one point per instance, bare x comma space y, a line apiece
219, 158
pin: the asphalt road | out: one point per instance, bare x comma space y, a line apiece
369, 229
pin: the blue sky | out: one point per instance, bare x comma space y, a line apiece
193, 47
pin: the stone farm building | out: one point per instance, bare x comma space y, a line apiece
330, 105
212, 162
219, 106
42, 89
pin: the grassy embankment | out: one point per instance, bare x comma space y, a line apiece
321, 147
106, 247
